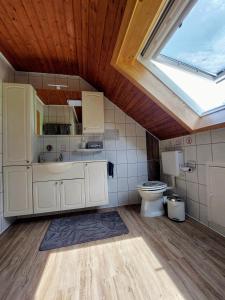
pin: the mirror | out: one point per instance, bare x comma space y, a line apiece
58, 117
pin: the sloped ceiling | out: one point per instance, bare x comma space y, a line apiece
77, 37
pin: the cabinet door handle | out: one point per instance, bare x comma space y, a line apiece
56, 182
28, 161
61, 182
28, 167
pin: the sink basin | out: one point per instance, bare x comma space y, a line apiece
58, 167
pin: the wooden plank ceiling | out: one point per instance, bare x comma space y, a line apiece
77, 37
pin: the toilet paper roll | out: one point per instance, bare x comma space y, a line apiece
186, 169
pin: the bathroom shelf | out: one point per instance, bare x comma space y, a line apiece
89, 150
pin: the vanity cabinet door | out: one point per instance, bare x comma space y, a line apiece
46, 196
92, 112
72, 194
17, 191
96, 187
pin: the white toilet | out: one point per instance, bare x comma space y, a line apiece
151, 192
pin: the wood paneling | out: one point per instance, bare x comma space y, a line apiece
59, 97
77, 37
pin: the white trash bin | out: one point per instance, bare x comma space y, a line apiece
176, 209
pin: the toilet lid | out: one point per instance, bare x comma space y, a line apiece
153, 185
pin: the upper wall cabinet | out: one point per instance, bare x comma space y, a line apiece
92, 112
18, 123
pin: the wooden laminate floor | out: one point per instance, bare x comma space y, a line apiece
158, 259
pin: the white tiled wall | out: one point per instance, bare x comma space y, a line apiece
127, 152
42, 81
202, 148
6, 75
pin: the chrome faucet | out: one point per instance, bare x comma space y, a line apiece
60, 158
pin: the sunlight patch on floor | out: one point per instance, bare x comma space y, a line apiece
107, 269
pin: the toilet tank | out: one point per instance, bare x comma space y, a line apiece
171, 162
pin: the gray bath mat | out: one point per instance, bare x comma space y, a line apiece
67, 231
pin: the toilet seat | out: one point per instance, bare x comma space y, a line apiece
152, 186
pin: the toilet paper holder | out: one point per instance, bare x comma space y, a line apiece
189, 167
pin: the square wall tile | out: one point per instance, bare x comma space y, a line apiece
109, 125
142, 179
48, 79
141, 143
99, 155
73, 83
142, 169
140, 131
112, 182
203, 138
192, 176
75, 156
218, 151
131, 156
122, 198
190, 153
141, 155
50, 156
204, 154
108, 104
132, 183
110, 144
132, 170
129, 120
113, 199
109, 116
121, 143
192, 191
202, 174
74, 143
203, 214
178, 142
131, 142
193, 209
181, 188
121, 156
121, 128
218, 135
202, 191
35, 80
122, 170
122, 185
119, 116
130, 130
61, 79
111, 156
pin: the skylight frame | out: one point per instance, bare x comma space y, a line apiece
169, 20
178, 14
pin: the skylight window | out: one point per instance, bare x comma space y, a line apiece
200, 39
186, 51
